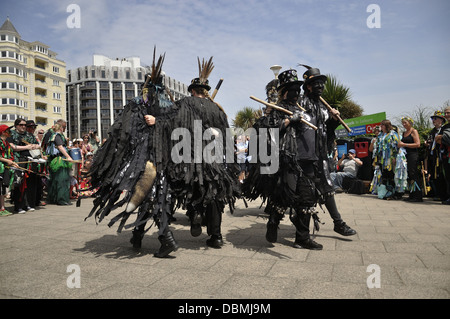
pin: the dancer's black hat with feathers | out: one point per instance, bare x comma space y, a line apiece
204, 70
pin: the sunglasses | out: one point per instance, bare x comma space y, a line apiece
21, 125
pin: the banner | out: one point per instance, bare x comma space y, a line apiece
361, 125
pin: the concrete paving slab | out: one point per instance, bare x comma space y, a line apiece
409, 242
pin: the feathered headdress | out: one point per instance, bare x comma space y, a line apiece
157, 68
155, 75
204, 70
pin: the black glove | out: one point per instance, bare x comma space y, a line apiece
296, 117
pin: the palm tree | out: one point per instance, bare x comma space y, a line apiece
334, 92
246, 117
339, 97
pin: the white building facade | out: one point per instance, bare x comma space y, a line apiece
97, 93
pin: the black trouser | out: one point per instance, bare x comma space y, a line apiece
33, 184
330, 204
214, 219
299, 214
25, 198
413, 174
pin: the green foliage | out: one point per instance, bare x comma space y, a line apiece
339, 97
246, 117
334, 92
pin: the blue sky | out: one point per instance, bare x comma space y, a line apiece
396, 68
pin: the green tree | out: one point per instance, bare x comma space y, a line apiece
246, 117
339, 97
350, 109
422, 123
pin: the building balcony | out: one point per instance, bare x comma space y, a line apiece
40, 107
88, 106
88, 96
41, 120
39, 83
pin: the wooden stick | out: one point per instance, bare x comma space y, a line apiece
339, 118
276, 107
424, 181
214, 95
301, 108
217, 89
27, 170
72, 161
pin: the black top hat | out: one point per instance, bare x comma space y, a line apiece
198, 83
313, 74
204, 70
288, 77
30, 123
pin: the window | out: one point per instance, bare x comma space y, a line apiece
116, 74
9, 38
57, 109
40, 49
56, 69
12, 101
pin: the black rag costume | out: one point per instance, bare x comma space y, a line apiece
293, 185
130, 167
140, 159
325, 136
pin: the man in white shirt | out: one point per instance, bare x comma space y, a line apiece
350, 164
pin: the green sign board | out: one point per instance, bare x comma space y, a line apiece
361, 125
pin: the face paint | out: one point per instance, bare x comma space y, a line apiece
293, 92
317, 88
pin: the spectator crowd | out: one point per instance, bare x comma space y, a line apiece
38, 167
400, 170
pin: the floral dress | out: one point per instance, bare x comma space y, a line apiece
389, 162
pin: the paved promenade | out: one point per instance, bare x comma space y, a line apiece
44, 252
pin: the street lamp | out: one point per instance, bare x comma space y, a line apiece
276, 70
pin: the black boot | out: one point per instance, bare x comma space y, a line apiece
196, 225
136, 240
343, 229
168, 244
272, 231
215, 241
306, 243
